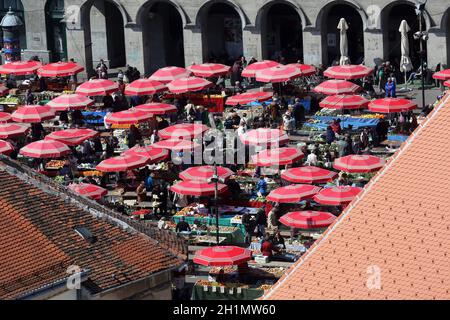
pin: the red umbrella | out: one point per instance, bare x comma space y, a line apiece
20, 68
305, 69
447, 83
183, 131
191, 84
347, 72
6, 147
293, 193
264, 137
97, 87
248, 97
130, 116
5, 117
359, 163
33, 114
197, 188
169, 74
281, 156
144, 87
70, 102
151, 153
332, 87
251, 70
157, 108
278, 74
344, 102
204, 173
72, 137
122, 163
337, 196
11, 130
307, 219
60, 69
176, 144
45, 149
392, 105
222, 256
442, 75
209, 69
89, 190
308, 175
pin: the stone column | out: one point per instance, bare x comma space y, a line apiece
437, 48
134, 46
35, 28
251, 39
193, 47
98, 31
373, 46
312, 46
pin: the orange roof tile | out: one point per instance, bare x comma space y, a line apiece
38, 243
393, 241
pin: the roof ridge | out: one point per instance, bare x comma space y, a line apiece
349, 209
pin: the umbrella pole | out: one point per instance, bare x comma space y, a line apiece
216, 192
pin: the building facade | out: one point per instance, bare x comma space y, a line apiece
149, 34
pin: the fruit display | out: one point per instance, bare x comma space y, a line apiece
10, 100
55, 164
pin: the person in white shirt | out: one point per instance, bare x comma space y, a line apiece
242, 129
311, 160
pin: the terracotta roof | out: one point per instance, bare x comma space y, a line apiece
38, 243
393, 241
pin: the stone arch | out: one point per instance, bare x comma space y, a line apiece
385, 10
147, 5
203, 9
332, 3
265, 7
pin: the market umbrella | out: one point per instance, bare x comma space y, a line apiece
20, 68
190, 84
5, 117
183, 131
305, 69
197, 188
293, 193
45, 149
33, 114
337, 196
70, 102
341, 102
348, 72
264, 137
278, 74
251, 70
144, 87
245, 98
308, 175
89, 190
442, 75
153, 154
447, 83
130, 116
222, 256
122, 163
392, 105
405, 60
157, 108
204, 173
60, 69
307, 219
72, 137
332, 87
280, 156
359, 163
207, 70
343, 44
169, 74
11, 130
176, 144
6, 147
97, 87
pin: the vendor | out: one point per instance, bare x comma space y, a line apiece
141, 193
278, 240
182, 226
261, 187
267, 248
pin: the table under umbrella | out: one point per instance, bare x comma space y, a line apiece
308, 219
245, 98
45, 149
203, 173
308, 175
279, 156
293, 193
337, 196
157, 108
341, 102
190, 84
91, 191
130, 116
359, 163
197, 188
33, 114
347, 72
222, 256
264, 137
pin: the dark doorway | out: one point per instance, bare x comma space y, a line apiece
282, 34
391, 23
331, 36
163, 37
221, 34
56, 30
